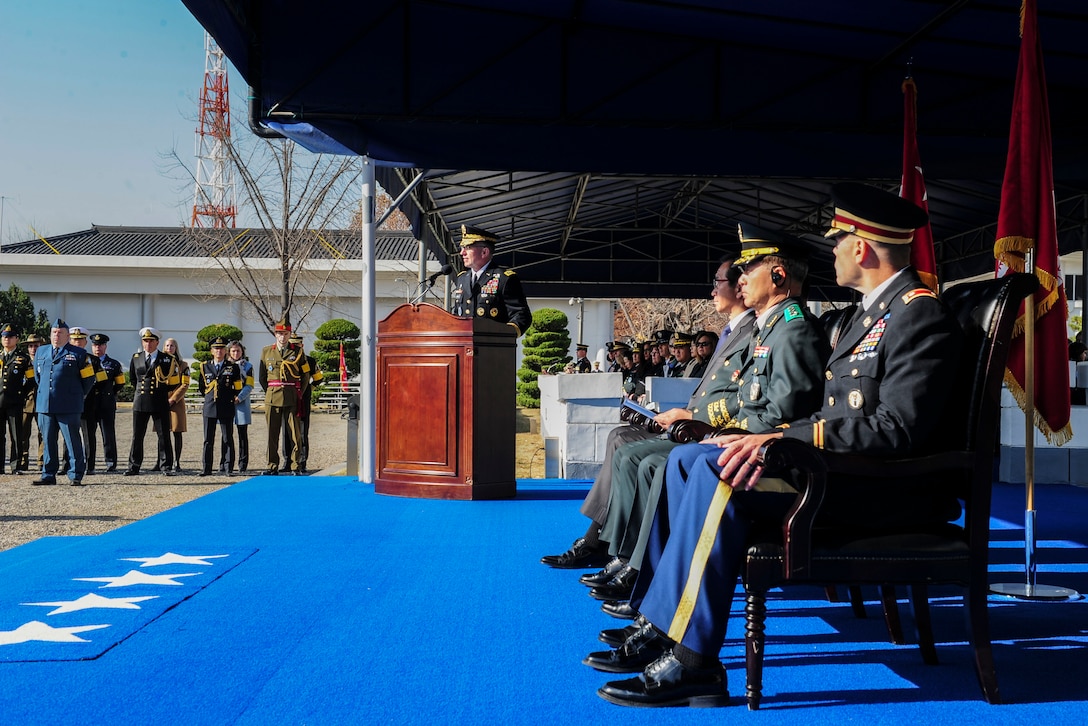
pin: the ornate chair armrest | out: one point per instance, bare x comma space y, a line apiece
687, 431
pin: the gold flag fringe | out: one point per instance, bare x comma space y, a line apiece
928, 279
1057, 438
1011, 251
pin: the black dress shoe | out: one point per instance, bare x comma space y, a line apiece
130, 472
580, 555
621, 610
666, 682
616, 637
77, 482
602, 576
44, 482
640, 650
204, 473
157, 467
167, 472
110, 469
619, 587
272, 472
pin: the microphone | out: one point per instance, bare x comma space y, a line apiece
446, 269
425, 287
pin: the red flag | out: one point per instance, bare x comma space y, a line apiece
1026, 223
913, 188
343, 370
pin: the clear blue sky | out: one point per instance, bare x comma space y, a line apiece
92, 94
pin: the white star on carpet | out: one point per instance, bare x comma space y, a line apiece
89, 601
173, 559
36, 630
135, 577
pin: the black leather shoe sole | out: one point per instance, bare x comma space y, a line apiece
44, 482
131, 472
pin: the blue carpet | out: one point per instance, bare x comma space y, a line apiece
315, 601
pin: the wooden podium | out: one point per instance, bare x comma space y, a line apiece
445, 408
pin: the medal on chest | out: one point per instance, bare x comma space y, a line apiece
868, 345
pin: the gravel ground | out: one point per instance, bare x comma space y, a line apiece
110, 500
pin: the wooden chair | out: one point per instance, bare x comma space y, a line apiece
948, 554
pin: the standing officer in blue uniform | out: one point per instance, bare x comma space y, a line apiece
65, 377
105, 395
884, 386
220, 383
485, 290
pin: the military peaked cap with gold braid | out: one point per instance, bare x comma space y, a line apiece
874, 214
476, 236
757, 242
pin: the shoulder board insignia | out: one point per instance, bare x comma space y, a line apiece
917, 293
509, 273
792, 312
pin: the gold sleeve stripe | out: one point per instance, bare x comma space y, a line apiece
818, 434
682, 618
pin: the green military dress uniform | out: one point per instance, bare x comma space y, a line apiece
284, 374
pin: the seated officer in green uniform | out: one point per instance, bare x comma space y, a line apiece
486, 290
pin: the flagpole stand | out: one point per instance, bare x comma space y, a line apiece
1030, 590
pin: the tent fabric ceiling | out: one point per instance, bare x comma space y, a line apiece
632, 135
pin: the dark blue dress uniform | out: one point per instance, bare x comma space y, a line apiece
153, 376
497, 296
220, 384
884, 386
105, 395
65, 376
16, 382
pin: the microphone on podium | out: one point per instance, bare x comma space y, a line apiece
425, 286
446, 269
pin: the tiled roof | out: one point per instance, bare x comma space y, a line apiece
181, 242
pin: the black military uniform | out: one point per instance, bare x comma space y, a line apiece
582, 364
220, 383
16, 382
105, 397
494, 293
153, 375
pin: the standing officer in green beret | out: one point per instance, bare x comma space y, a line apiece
486, 290
16, 380
283, 372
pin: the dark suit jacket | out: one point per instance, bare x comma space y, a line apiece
498, 297
220, 388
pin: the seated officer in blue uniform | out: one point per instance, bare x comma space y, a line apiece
65, 377
884, 384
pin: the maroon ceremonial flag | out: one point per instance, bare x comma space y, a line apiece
1026, 223
343, 370
913, 188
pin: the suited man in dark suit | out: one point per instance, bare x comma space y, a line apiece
153, 374
777, 379
220, 383
587, 550
486, 290
883, 389
65, 377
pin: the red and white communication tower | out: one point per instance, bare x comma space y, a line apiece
214, 203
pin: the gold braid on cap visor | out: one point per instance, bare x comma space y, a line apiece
870, 230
